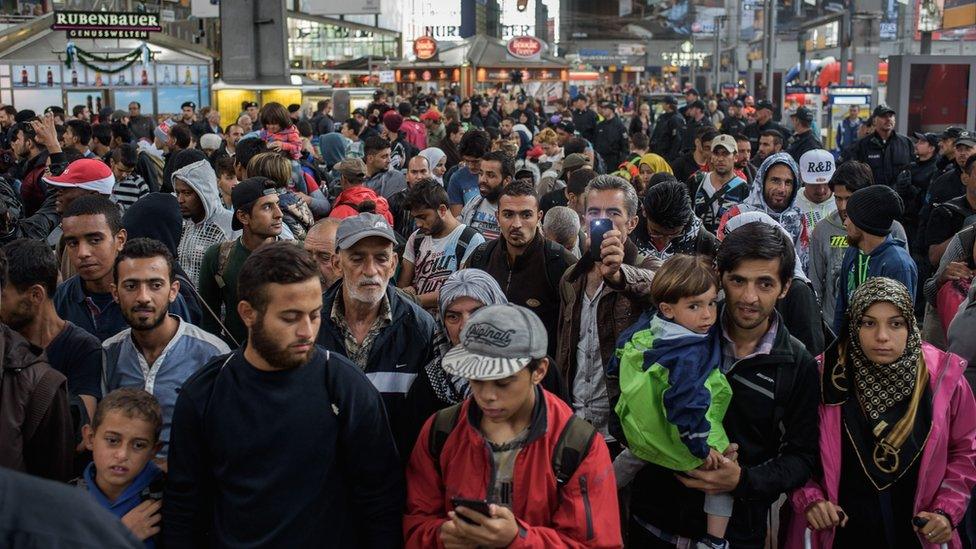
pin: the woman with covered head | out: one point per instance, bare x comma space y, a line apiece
463, 293
897, 434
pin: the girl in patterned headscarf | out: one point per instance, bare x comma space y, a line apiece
898, 433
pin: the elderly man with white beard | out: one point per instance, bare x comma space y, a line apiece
366, 320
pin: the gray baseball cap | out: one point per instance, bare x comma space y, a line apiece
498, 341
355, 228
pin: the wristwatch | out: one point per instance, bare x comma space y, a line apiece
947, 517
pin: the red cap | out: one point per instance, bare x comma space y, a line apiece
85, 173
432, 114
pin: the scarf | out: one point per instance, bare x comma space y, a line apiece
433, 156
888, 419
656, 162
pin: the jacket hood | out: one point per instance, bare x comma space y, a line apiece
888, 242
757, 198
333, 146
17, 352
355, 195
131, 496
200, 176
167, 222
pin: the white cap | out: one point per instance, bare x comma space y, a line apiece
817, 167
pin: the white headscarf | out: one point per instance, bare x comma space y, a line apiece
433, 156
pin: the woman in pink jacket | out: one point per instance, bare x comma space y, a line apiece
897, 434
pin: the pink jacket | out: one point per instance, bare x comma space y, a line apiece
949, 454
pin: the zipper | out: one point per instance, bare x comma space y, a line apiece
586, 506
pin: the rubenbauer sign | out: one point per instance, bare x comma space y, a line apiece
525, 47
87, 24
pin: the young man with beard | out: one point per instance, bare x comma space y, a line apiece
159, 351
828, 245
670, 225
772, 417
462, 183
28, 308
418, 169
257, 215
307, 459
481, 212
31, 155
816, 170
872, 252
526, 266
365, 319
438, 247
380, 175
205, 220
599, 299
93, 238
743, 167
719, 189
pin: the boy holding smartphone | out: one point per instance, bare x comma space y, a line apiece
503, 355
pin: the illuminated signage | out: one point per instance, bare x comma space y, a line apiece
84, 24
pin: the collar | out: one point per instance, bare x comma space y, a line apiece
766, 342
338, 313
537, 425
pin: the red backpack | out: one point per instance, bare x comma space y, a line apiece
415, 133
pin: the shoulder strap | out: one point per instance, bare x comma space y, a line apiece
223, 255
41, 398
462, 244
444, 422
967, 237
223, 329
480, 254
418, 241
571, 449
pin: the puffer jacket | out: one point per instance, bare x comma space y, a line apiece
581, 513
619, 308
946, 472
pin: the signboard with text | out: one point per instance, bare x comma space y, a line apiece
525, 47
83, 24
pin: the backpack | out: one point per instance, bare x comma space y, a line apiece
571, 448
415, 133
552, 253
462, 244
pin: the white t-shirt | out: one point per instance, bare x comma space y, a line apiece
814, 213
482, 216
438, 258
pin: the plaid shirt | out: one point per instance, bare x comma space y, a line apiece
355, 351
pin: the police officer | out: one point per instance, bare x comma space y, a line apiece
584, 118
734, 123
694, 119
803, 139
764, 121
887, 153
669, 130
611, 139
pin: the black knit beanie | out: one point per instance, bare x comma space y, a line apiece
873, 208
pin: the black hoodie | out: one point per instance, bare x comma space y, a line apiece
167, 228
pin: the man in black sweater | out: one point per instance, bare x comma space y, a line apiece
282, 443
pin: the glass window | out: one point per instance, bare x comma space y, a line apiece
950, 83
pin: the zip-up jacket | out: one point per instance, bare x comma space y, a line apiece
773, 419
887, 159
581, 513
668, 133
398, 353
890, 259
946, 473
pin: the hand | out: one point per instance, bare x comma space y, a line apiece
496, 531
713, 460
275, 146
937, 530
451, 539
723, 479
143, 520
732, 452
957, 270
612, 255
47, 134
824, 514
304, 197
162, 463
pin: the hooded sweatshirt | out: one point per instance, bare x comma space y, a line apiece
131, 497
790, 218
347, 204
890, 259
215, 227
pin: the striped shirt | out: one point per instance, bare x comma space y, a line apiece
128, 190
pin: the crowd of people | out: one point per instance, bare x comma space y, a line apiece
486, 321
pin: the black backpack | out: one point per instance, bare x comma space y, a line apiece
462, 244
571, 448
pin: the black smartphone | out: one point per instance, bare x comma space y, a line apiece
479, 505
598, 227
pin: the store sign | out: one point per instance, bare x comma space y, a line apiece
387, 77
83, 24
425, 48
525, 47
684, 59
822, 37
344, 7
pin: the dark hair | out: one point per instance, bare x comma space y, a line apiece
757, 241
668, 204
11, 111
181, 134
81, 129
294, 107
224, 166
706, 134
186, 157
507, 162
102, 133
452, 128
404, 109
78, 109
322, 103
520, 187
29, 262
579, 179
248, 149
739, 137
426, 194
575, 145
304, 128
777, 137
853, 175
96, 204
970, 162
639, 140
682, 276
142, 127
121, 131
275, 113
127, 155
474, 143
660, 177
71, 154
274, 263
510, 119
136, 103
144, 248
133, 403
353, 125
375, 144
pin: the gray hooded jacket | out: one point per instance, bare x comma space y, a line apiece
216, 224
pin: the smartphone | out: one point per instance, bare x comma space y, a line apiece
598, 227
479, 505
